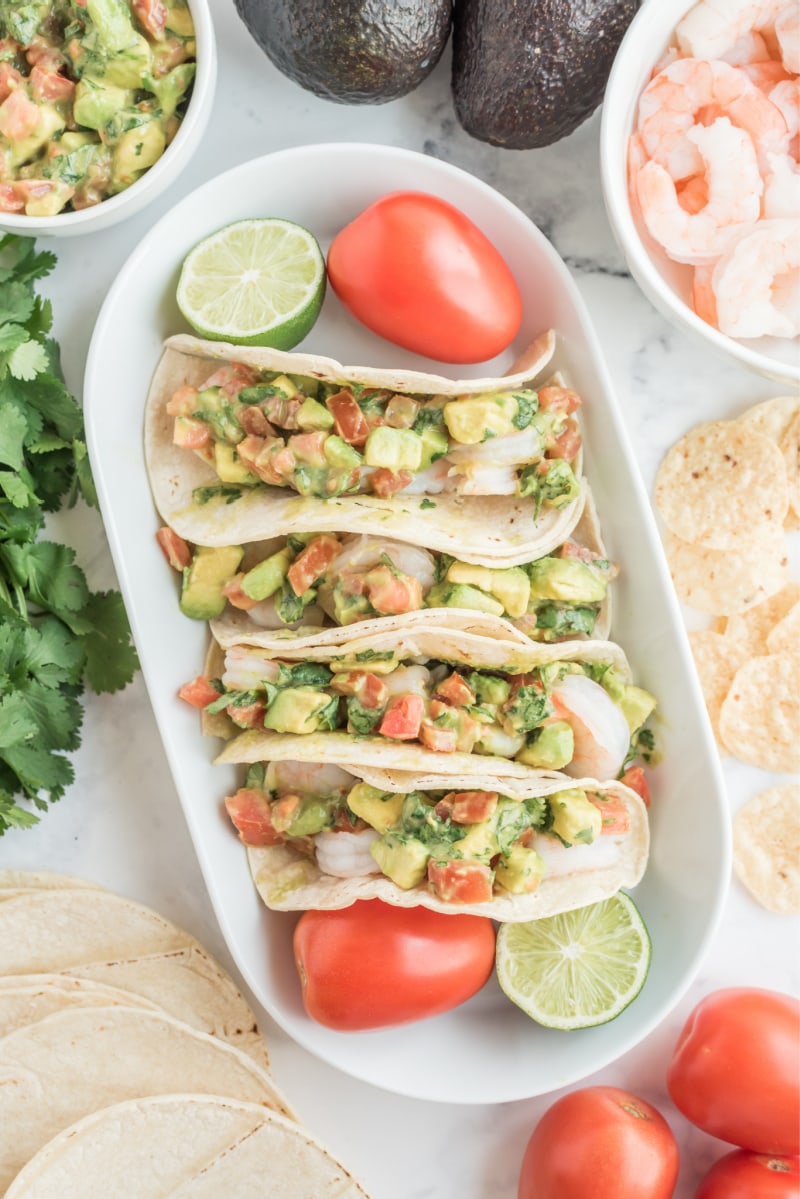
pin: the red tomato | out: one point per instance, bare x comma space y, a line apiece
417, 271
600, 1143
735, 1069
461, 882
199, 692
312, 562
743, 1175
251, 813
373, 965
402, 718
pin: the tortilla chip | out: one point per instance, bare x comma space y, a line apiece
789, 446
727, 582
785, 636
760, 717
748, 631
766, 848
717, 662
771, 417
719, 480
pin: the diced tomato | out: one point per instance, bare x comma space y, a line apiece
231, 377
345, 822
277, 458
351, 424
19, 116
616, 818
470, 807
199, 693
309, 447
464, 728
34, 189
191, 434
569, 442
460, 881
248, 450
234, 594
454, 690
635, 778
253, 420
174, 548
441, 741
403, 717
391, 594
312, 562
152, 15
49, 85
369, 689
284, 811
10, 78
571, 549
282, 410
248, 716
9, 200
558, 399
386, 482
251, 813
183, 401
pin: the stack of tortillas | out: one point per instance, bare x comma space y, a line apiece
130, 1064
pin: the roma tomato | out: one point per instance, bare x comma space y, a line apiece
743, 1175
417, 271
735, 1071
373, 965
600, 1143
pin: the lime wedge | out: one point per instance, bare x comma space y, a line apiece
577, 969
257, 283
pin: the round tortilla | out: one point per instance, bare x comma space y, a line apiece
194, 1146
491, 530
78, 1061
26, 999
15, 882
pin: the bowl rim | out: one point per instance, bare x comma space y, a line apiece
191, 125
619, 107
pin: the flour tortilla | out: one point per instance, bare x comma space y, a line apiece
187, 1147
15, 882
288, 881
236, 627
26, 999
96, 935
496, 530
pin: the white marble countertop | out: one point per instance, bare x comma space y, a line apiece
121, 824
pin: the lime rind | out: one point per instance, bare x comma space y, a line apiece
255, 282
578, 969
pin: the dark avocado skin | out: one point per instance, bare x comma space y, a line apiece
527, 72
351, 51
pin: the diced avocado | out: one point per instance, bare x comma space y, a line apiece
489, 688
637, 704
96, 102
313, 416
69, 141
48, 205
228, 466
479, 842
305, 385
447, 595
284, 385
311, 817
566, 579
475, 418
575, 818
210, 569
550, 747
130, 66
296, 710
217, 410
340, 454
510, 585
347, 609
135, 151
475, 576
179, 20
557, 487
170, 89
379, 808
404, 861
112, 21
50, 125
393, 449
520, 872
264, 579
435, 444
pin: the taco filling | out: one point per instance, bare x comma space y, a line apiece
463, 847
323, 580
324, 438
580, 717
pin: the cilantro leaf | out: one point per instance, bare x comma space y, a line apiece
111, 660
27, 360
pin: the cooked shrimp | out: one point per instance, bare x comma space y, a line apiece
307, 778
359, 554
787, 31
562, 859
247, 668
710, 28
415, 680
765, 75
479, 479
694, 92
757, 282
346, 855
782, 188
496, 741
785, 95
600, 730
431, 481
747, 49
515, 449
704, 301
734, 196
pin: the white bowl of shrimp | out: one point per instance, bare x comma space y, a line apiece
699, 149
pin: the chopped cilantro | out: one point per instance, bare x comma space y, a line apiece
426, 503
224, 491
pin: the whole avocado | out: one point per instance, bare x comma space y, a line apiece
527, 72
351, 51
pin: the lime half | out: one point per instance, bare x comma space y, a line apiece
258, 283
577, 969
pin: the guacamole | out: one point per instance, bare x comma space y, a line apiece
91, 94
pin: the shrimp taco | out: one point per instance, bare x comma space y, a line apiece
244, 444
322, 836
396, 701
298, 593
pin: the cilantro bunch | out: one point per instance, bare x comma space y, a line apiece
55, 635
